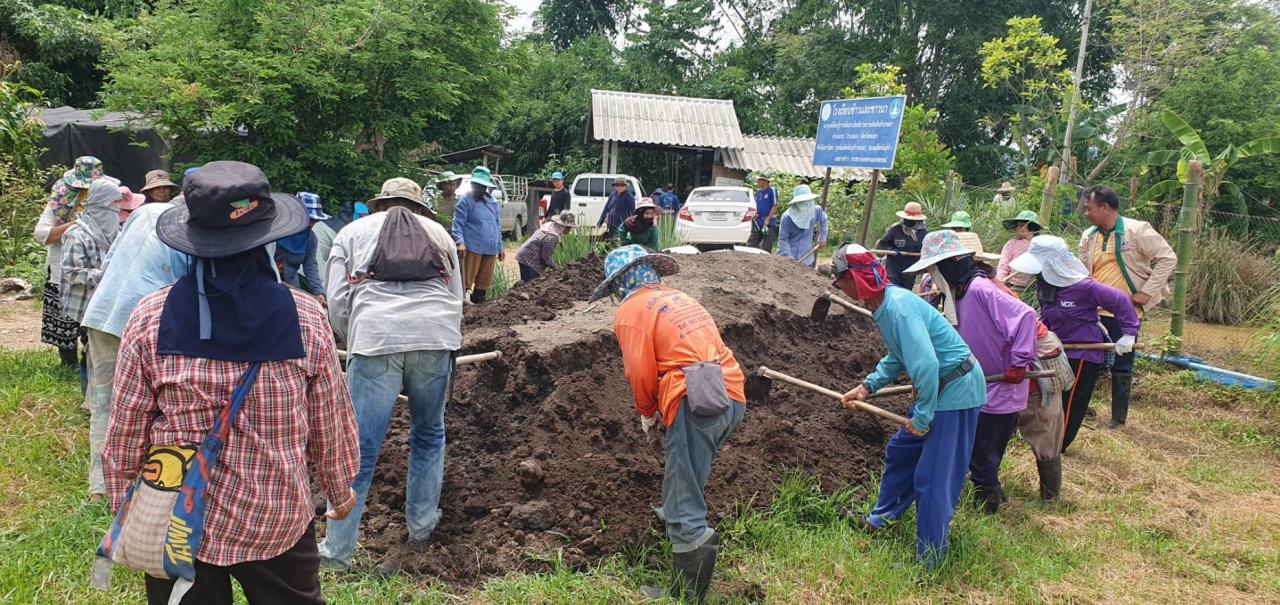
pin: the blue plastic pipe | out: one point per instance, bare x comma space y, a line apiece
1205, 372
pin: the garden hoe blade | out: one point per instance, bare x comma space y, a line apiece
821, 308
757, 388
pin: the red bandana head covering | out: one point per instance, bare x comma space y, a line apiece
867, 271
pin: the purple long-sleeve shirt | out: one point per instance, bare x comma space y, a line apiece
1001, 333
1073, 315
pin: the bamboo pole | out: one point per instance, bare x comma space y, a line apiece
1186, 230
1046, 203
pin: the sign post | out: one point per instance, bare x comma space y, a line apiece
859, 133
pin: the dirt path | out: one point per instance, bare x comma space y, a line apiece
20, 325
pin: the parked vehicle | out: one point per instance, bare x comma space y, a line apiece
716, 216
591, 191
512, 214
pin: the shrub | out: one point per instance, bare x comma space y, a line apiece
1229, 281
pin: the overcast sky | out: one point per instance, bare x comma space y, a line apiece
526, 8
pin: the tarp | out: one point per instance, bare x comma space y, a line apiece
126, 144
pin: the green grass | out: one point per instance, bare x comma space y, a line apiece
1179, 507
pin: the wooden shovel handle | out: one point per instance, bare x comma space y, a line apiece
846, 304
906, 388
1098, 346
888, 252
861, 405
462, 361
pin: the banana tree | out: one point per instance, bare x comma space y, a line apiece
1193, 148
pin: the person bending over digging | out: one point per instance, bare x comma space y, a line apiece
681, 373
1001, 332
926, 460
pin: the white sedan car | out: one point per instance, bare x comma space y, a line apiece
716, 216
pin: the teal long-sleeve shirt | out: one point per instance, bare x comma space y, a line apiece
925, 346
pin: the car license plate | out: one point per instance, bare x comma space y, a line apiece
717, 216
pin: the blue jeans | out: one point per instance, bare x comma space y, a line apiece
527, 273
692, 442
375, 381
928, 471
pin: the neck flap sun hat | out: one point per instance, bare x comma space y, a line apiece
1050, 258
870, 278
959, 219
913, 211
400, 188
481, 176
619, 266
938, 246
1029, 216
229, 209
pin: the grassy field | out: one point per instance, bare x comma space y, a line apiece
1181, 506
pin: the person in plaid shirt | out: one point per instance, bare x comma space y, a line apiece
84, 246
186, 348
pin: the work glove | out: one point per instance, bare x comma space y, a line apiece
1015, 374
647, 422
1124, 346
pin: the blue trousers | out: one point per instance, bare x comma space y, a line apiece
375, 381
928, 471
692, 443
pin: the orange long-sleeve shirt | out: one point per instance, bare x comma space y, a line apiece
661, 330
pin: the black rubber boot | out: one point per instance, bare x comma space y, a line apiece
690, 574
477, 296
1121, 386
1050, 479
988, 498
68, 358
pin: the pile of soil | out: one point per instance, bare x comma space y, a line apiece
545, 449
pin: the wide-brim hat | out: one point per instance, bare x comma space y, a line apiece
157, 179
565, 219
1006, 187
400, 188
218, 196
630, 257
1049, 257
1028, 216
448, 176
970, 240
960, 219
644, 203
913, 211
802, 193
130, 200
939, 246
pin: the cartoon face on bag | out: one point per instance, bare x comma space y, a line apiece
166, 465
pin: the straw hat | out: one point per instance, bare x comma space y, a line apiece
1006, 187
913, 211
970, 240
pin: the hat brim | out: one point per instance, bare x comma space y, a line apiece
925, 263
911, 217
383, 198
1027, 263
1012, 223
175, 232
663, 264
988, 257
476, 181
135, 201
957, 225
805, 197
159, 185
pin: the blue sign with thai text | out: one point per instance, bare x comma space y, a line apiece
859, 133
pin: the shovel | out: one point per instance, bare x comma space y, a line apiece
761, 382
906, 388
1098, 346
822, 307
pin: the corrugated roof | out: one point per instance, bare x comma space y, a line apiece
664, 120
784, 155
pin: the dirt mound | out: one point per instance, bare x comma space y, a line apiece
545, 449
